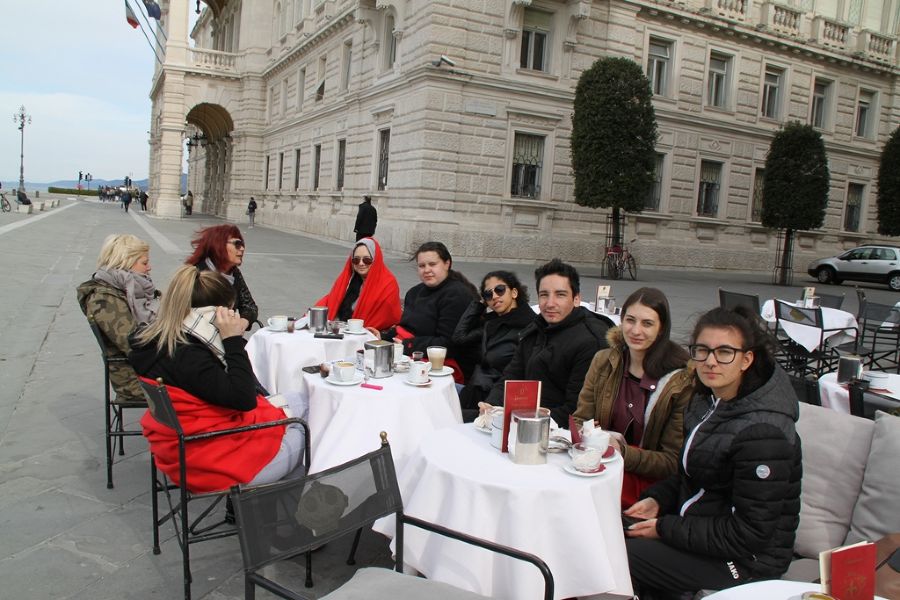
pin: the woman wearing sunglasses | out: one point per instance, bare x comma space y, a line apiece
731, 511
221, 249
492, 324
365, 289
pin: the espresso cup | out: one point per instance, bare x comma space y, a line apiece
598, 439
344, 370
355, 325
586, 458
418, 372
278, 322
436, 356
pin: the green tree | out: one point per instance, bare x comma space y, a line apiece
795, 186
613, 138
889, 187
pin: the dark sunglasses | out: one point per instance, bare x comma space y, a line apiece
366, 260
237, 244
499, 290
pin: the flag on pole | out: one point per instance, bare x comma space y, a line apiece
130, 16
153, 9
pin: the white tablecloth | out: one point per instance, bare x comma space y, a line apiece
278, 356
807, 336
836, 396
775, 589
345, 421
458, 480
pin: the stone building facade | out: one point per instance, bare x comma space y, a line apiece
455, 116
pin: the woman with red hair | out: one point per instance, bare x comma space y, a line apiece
366, 289
220, 248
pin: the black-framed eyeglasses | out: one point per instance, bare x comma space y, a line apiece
237, 244
366, 260
498, 289
724, 354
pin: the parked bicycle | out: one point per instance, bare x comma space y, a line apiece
619, 260
4, 203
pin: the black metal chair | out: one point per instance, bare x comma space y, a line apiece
864, 403
115, 431
281, 520
731, 300
879, 341
831, 300
795, 358
189, 531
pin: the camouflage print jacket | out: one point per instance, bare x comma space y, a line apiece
109, 309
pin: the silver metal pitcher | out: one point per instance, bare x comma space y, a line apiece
530, 430
379, 358
318, 318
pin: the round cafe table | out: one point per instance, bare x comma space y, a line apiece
775, 589
345, 421
277, 356
458, 480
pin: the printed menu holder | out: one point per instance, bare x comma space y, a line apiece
518, 395
848, 572
602, 305
809, 292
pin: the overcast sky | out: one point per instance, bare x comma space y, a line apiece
84, 76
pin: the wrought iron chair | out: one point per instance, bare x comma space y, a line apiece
731, 300
190, 531
831, 300
115, 432
281, 520
794, 357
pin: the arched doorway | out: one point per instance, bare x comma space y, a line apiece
209, 146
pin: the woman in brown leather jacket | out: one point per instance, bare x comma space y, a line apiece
637, 390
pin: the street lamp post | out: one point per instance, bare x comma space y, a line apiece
20, 119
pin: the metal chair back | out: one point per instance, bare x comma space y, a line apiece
732, 300
831, 300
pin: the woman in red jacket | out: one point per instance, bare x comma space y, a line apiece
366, 289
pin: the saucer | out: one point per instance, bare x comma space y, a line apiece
355, 381
443, 372
573, 471
423, 384
483, 429
347, 331
607, 456
279, 330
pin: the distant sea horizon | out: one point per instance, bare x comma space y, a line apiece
31, 186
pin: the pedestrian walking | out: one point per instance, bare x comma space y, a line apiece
366, 219
251, 211
143, 198
126, 200
189, 203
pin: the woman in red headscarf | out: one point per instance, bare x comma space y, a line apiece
366, 289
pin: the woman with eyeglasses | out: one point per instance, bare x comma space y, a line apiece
220, 248
637, 390
492, 324
432, 308
731, 511
365, 289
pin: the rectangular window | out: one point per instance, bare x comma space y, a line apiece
821, 100
317, 164
384, 153
536, 27
284, 95
280, 168
297, 169
757, 197
653, 200
864, 107
346, 63
390, 45
341, 159
527, 164
710, 182
719, 80
659, 65
301, 88
320, 89
852, 211
266, 184
771, 94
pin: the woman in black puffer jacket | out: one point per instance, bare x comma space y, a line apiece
731, 512
495, 333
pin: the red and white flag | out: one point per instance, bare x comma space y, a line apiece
130, 16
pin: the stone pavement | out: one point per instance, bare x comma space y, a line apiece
64, 535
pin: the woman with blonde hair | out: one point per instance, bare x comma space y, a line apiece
119, 296
197, 347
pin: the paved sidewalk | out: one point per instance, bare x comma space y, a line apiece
64, 535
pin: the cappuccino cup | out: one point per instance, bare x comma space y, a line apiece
278, 322
598, 439
436, 356
418, 372
344, 370
355, 325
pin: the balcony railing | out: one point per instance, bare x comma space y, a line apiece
782, 19
735, 10
876, 45
215, 60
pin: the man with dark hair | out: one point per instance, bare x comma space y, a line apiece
366, 219
558, 346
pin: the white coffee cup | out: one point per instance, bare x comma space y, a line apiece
418, 371
598, 439
436, 356
344, 370
278, 322
355, 325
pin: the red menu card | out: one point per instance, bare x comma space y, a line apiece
518, 395
848, 572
